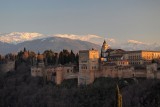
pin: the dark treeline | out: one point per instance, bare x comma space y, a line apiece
67, 57
49, 57
7, 57
19, 89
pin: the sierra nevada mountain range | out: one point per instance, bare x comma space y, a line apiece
16, 41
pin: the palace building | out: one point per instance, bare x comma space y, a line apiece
114, 63
141, 57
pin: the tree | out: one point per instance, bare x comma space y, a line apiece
77, 59
10, 57
50, 57
24, 50
61, 58
72, 57
32, 57
66, 56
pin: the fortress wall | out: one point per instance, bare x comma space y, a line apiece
110, 73
114, 72
140, 73
127, 74
151, 76
98, 74
152, 71
86, 76
71, 76
92, 77
9, 66
83, 78
36, 71
158, 75
48, 73
68, 72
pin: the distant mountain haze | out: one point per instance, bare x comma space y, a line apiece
16, 41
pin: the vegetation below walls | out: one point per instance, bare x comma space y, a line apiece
19, 89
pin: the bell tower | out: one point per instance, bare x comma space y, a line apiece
104, 49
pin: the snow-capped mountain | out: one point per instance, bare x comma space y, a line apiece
13, 42
89, 38
137, 45
18, 37
92, 38
54, 43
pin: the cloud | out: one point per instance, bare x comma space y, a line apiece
135, 42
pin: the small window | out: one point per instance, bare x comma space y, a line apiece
67, 70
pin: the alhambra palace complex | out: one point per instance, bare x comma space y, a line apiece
114, 63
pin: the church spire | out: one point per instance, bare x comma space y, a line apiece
104, 42
104, 49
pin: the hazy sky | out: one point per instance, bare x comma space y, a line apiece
119, 19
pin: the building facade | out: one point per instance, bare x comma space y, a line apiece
114, 63
8, 66
88, 65
56, 73
141, 57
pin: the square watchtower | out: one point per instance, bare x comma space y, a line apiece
88, 65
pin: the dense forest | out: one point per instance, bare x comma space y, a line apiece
19, 89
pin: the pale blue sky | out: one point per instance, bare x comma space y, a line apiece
119, 19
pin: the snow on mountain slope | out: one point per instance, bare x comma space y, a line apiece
18, 37
138, 45
89, 38
82, 37
56, 44
135, 42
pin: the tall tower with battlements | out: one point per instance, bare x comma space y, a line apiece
88, 65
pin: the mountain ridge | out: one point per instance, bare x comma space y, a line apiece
14, 41
56, 44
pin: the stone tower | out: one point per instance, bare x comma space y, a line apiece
88, 65
104, 49
59, 75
